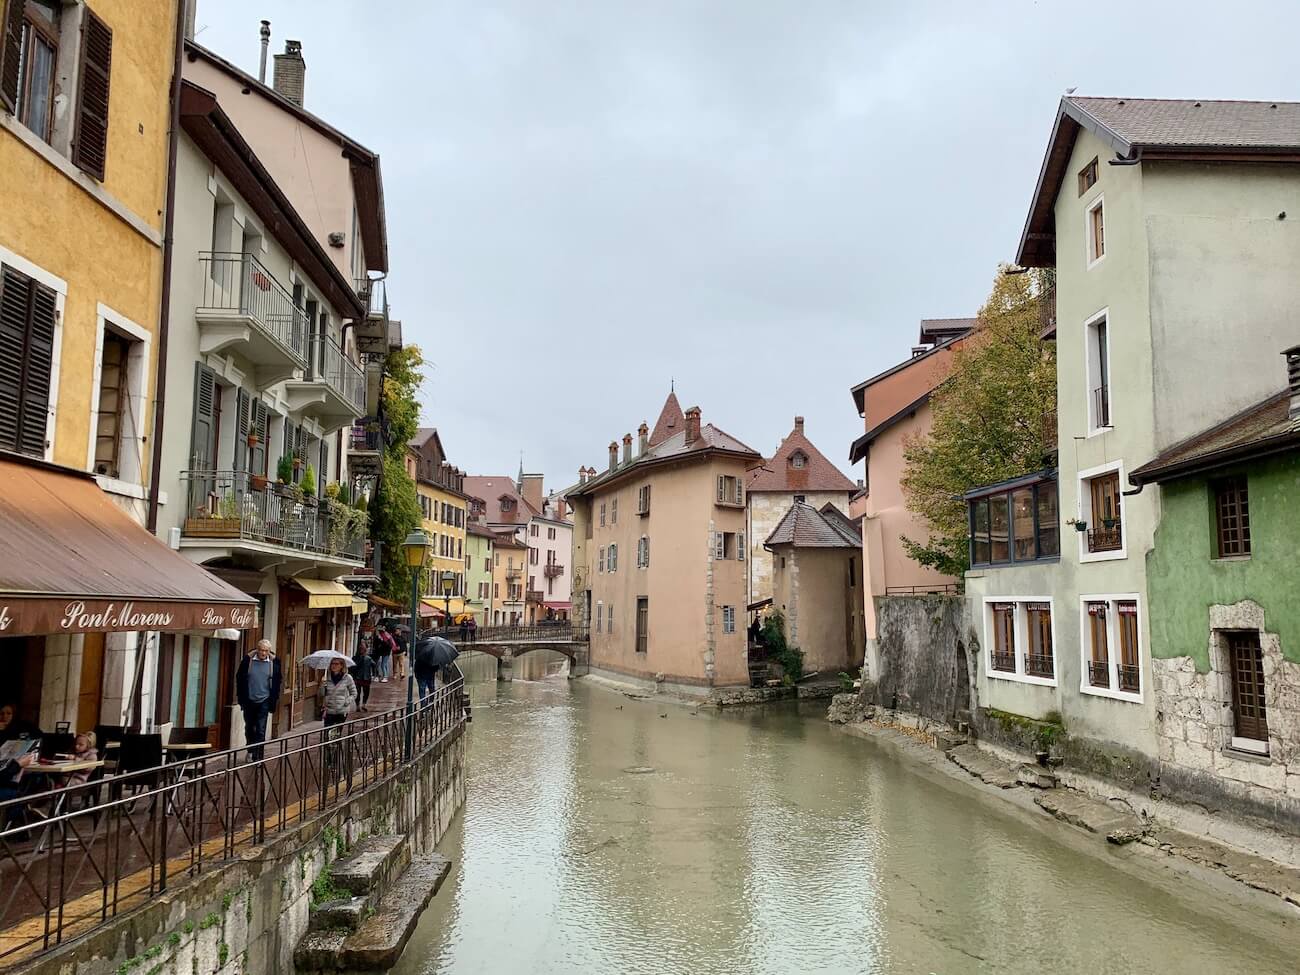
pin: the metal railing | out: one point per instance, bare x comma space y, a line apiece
327, 363
1004, 662
373, 293
1130, 677
556, 631
1099, 673
105, 847
1105, 539
1039, 665
553, 570
1101, 406
234, 282
226, 504
935, 589
364, 438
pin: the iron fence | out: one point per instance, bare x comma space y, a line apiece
234, 504
72, 858
327, 363
560, 631
234, 282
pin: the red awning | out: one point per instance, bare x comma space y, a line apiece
566, 606
72, 561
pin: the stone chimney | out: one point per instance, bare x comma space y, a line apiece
613, 454
291, 72
643, 439
1293, 380
582, 475
561, 509
798, 425
692, 424
627, 448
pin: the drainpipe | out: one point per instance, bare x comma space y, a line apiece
164, 311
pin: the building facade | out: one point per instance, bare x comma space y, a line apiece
660, 550
444, 510
797, 473
509, 566
479, 556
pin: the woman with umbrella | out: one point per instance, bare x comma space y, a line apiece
339, 690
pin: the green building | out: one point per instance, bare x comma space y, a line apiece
478, 572
1225, 618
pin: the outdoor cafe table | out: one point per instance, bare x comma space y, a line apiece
57, 768
184, 757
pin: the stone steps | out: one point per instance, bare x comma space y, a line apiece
1117, 825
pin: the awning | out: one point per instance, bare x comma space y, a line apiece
386, 603
429, 609
72, 561
360, 607
324, 594
762, 603
566, 606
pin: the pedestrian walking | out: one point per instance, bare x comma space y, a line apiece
363, 671
339, 701
383, 653
473, 629
257, 688
464, 630
399, 653
424, 667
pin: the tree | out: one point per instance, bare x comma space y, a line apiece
395, 511
994, 417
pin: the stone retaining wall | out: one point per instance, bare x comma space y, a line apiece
922, 661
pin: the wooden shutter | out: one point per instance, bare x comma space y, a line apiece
10, 52
243, 410
740, 491
27, 320
90, 141
257, 458
205, 424
722, 496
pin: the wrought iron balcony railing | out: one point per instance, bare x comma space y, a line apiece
1101, 406
230, 505
327, 363
1106, 539
553, 570
1099, 673
367, 436
240, 284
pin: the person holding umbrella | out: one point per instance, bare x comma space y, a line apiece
363, 671
431, 654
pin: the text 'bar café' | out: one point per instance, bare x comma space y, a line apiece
85, 592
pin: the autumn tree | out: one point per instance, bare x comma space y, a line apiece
396, 511
993, 418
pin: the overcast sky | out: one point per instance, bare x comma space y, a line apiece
759, 199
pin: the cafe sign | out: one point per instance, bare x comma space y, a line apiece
30, 616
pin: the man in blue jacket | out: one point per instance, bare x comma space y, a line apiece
257, 687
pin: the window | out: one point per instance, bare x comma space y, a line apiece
602, 514
1249, 713
532, 556
731, 490
613, 512
609, 619
550, 534
643, 552
600, 617
1105, 526
1004, 637
1231, 517
613, 558
799, 460
1096, 233
1088, 176
496, 558
642, 623
35, 59
1111, 647
1019, 524
800, 499
727, 545
532, 530
1097, 337
643, 500
193, 664
728, 619
1020, 639
600, 561
28, 314
114, 402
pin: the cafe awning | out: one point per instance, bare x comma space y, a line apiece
360, 607
72, 561
324, 594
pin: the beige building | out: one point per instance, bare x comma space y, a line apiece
660, 556
509, 558
797, 473
817, 585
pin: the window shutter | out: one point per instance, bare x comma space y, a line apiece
27, 319
10, 53
204, 429
242, 409
719, 545
90, 142
740, 547
722, 495
257, 460
15, 295
740, 491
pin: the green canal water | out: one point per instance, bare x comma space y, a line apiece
603, 834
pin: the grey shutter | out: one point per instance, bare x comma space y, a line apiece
242, 426
257, 460
90, 140
10, 53
324, 464
27, 321
205, 426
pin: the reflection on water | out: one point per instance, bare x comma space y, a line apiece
603, 834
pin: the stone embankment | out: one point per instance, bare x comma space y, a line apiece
1110, 818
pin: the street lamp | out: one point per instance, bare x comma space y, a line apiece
448, 584
416, 551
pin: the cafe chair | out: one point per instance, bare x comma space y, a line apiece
56, 743
138, 761
188, 736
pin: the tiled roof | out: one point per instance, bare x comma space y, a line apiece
853, 526
710, 438
1263, 429
670, 420
803, 526
817, 474
483, 531
1189, 122
421, 435
490, 490
936, 330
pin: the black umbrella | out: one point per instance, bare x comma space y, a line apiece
436, 651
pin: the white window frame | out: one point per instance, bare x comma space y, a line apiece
719, 546
1092, 259
1113, 650
137, 370
1089, 379
1083, 512
1020, 632
60, 289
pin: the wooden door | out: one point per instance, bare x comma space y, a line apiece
287, 651
89, 692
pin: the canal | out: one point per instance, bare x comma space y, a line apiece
603, 834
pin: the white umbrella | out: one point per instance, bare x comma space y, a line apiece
320, 659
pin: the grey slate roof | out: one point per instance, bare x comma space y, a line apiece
710, 438
803, 526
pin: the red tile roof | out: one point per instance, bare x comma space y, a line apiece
671, 420
780, 474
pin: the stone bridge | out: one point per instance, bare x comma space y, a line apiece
505, 643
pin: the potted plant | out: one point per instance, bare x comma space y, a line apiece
345, 494
257, 482
254, 438
1079, 525
332, 490
297, 464
1110, 523
308, 485
284, 470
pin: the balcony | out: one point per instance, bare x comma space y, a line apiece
514, 573
226, 510
245, 310
333, 388
553, 570
1106, 538
534, 596
372, 331
365, 446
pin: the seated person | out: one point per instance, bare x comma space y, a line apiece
11, 726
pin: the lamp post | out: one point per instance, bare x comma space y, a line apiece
416, 551
448, 584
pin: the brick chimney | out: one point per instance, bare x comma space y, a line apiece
1293, 380
643, 438
290, 72
627, 448
798, 425
692, 424
582, 475
613, 454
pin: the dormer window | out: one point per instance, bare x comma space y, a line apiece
798, 460
507, 502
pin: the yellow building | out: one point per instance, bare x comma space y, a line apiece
83, 150
443, 503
